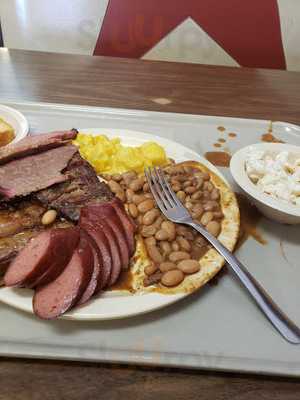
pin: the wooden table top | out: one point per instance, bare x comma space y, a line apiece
160, 86
116, 82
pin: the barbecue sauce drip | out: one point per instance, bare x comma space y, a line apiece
218, 158
124, 281
215, 280
269, 137
250, 217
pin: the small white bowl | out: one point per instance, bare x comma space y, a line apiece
272, 208
16, 120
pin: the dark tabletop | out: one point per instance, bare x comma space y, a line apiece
150, 85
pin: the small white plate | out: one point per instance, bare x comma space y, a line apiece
16, 120
117, 304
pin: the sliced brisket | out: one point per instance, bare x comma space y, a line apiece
82, 186
32, 173
21, 220
35, 144
23, 215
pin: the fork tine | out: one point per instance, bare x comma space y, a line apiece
162, 191
158, 189
170, 191
149, 178
164, 185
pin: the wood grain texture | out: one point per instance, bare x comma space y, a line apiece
115, 82
98, 81
48, 380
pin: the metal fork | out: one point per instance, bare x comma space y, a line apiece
173, 209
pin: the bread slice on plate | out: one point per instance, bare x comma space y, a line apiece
7, 133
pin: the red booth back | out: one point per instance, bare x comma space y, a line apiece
248, 31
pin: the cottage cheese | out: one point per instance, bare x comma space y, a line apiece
277, 174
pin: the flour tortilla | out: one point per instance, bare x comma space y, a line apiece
211, 262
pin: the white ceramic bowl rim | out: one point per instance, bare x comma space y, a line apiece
237, 168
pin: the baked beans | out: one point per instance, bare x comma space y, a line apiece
174, 250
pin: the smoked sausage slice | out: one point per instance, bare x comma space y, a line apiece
128, 225
102, 227
60, 295
43, 258
103, 248
96, 277
105, 211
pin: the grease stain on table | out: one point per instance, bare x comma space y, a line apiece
221, 140
215, 280
269, 137
232, 135
218, 158
249, 219
221, 129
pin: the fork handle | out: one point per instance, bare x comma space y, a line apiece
276, 316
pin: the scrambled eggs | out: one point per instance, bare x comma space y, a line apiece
111, 157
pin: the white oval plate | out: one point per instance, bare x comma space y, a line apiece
117, 304
16, 120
